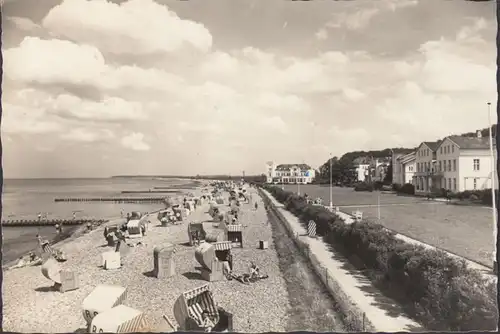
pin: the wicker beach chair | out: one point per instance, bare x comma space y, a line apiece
190, 305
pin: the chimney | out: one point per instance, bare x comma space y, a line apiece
478, 134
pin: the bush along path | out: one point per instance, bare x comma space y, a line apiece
440, 292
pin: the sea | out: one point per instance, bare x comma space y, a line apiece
26, 198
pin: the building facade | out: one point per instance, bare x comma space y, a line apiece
403, 168
425, 160
289, 173
465, 163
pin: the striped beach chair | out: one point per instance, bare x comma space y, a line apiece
235, 233
190, 305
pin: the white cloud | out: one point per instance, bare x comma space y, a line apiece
87, 135
353, 94
282, 102
55, 61
275, 123
135, 142
61, 62
23, 23
132, 27
109, 109
321, 34
22, 120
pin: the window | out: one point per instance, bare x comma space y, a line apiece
439, 168
454, 183
454, 164
475, 184
441, 150
443, 183
452, 149
444, 165
449, 165
410, 168
449, 183
476, 165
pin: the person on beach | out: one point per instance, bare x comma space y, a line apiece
254, 271
256, 205
39, 216
121, 213
74, 215
207, 323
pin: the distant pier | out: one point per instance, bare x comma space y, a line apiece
50, 222
112, 199
149, 191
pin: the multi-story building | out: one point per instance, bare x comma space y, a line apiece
370, 169
464, 163
289, 173
362, 165
403, 168
425, 159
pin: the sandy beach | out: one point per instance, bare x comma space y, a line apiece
29, 306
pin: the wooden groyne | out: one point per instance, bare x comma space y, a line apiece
51, 222
112, 199
149, 191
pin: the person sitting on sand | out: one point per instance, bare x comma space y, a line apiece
256, 205
254, 270
207, 323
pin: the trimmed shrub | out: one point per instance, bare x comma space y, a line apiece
363, 186
445, 295
378, 185
407, 188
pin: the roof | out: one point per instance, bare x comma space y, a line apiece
408, 157
361, 161
289, 166
433, 145
471, 143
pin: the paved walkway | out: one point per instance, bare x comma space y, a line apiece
384, 314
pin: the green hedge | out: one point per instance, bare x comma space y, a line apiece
442, 292
363, 186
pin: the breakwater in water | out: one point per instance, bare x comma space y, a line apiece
50, 222
113, 199
149, 191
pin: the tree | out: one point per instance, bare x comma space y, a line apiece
388, 175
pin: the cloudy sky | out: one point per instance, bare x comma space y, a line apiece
99, 88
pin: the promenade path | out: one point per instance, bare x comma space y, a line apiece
383, 313
30, 306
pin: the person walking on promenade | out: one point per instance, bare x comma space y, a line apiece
39, 216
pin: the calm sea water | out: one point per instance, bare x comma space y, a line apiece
24, 199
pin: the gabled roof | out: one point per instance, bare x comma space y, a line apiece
289, 166
433, 145
471, 143
408, 157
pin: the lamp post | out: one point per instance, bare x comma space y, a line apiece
331, 183
493, 194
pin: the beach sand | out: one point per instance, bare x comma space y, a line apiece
260, 307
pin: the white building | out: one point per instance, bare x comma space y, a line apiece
403, 168
289, 173
425, 158
464, 163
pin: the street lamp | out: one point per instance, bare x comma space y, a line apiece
331, 185
493, 194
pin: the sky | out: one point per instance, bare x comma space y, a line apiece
100, 88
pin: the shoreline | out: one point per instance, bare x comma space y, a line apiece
77, 231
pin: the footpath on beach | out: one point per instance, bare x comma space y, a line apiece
30, 305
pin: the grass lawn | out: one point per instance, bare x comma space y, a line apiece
464, 230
